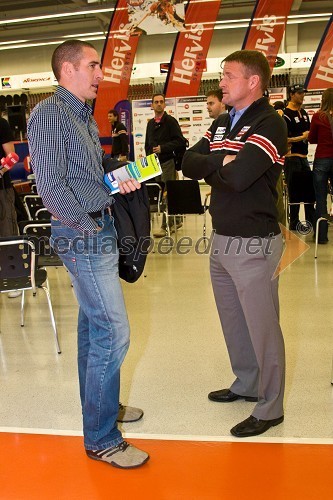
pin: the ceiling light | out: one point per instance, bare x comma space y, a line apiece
55, 16
16, 41
79, 35
55, 42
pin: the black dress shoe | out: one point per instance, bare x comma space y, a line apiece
227, 396
253, 426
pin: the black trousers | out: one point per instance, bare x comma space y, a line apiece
292, 165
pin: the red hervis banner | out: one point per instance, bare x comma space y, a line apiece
266, 28
117, 62
189, 55
320, 74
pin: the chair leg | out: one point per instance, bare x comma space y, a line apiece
22, 308
317, 235
175, 228
52, 318
168, 232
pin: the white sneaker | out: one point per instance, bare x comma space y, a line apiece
129, 413
14, 294
123, 456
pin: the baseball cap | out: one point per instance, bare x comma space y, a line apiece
297, 88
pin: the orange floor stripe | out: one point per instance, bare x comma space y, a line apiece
34, 467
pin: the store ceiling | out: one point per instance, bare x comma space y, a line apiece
48, 30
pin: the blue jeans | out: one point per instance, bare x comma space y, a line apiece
322, 172
103, 328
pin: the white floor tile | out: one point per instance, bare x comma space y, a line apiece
177, 353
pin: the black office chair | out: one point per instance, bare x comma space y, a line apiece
18, 272
32, 203
39, 232
42, 214
33, 189
183, 197
155, 193
301, 191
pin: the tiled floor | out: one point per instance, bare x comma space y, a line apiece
177, 353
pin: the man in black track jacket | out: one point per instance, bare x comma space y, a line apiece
241, 158
164, 137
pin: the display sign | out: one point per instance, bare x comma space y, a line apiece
192, 116
28, 81
312, 101
311, 104
301, 59
190, 112
277, 94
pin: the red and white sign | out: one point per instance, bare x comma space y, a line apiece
190, 52
321, 71
117, 61
267, 27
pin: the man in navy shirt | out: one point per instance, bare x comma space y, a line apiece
296, 160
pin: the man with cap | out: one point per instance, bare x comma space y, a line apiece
298, 124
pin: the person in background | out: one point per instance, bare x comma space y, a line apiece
215, 106
296, 160
321, 133
66, 158
119, 136
279, 107
8, 219
164, 137
240, 157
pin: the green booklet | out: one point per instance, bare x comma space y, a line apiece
141, 170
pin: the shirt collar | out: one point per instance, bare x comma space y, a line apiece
235, 115
84, 110
239, 113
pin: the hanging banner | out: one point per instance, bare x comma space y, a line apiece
266, 28
117, 61
189, 55
320, 74
130, 19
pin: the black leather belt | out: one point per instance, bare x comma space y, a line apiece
100, 213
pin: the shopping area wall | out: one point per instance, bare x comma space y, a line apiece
299, 38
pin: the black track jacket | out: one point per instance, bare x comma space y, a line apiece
167, 134
243, 197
